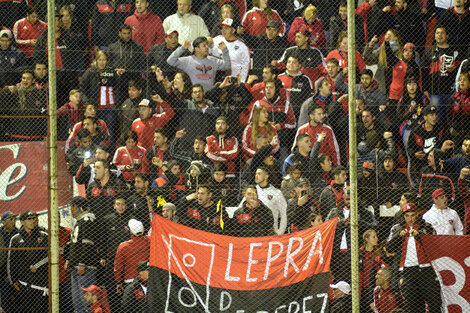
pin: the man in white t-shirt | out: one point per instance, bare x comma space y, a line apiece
238, 51
444, 220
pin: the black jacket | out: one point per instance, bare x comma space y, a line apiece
19, 261
82, 248
252, 223
193, 215
337, 26
128, 55
101, 198
158, 55
134, 298
114, 232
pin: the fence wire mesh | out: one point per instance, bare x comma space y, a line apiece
232, 118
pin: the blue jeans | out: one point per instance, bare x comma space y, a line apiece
79, 282
442, 104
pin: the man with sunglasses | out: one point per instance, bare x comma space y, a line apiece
28, 269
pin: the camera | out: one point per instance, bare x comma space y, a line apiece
88, 154
233, 80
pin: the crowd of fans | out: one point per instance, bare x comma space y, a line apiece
234, 120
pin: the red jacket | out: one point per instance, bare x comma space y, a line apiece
342, 57
316, 29
255, 22
280, 107
249, 147
147, 29
224, 150
24, 31
329, 146
145, 128
134, 157
257, 90
385, 300
128, 255
363, 11
75, 116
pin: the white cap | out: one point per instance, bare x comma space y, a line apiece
343, 286
136, 227
6, 32
144, 103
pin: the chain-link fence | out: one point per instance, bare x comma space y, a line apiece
232, 118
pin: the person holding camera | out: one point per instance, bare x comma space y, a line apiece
82, 154
131, 158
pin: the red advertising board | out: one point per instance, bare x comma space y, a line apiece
24, 176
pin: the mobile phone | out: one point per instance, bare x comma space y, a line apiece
233, 80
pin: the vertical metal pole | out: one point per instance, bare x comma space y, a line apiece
52, 141
353, 156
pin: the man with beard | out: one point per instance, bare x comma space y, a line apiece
103, 190
311, 58
221, 147
24, 99
159, 152
188, 156
198, 109
333, 109
85, 174
200, 67
204, 212
129, 110
142, 199
316, 126
266, 47
455, 165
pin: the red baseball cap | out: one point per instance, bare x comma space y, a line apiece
94, 290
410, 207
409, 45
369, 165
438, 192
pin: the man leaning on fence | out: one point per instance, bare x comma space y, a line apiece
28, 269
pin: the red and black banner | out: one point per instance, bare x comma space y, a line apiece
450, 258
196, 271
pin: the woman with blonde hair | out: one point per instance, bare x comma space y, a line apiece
98, 86
369, 265
379, 56
260, 125
256, 19
310, 21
